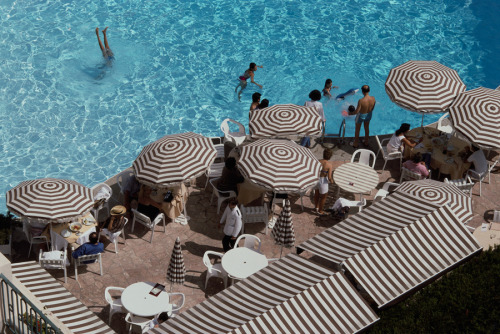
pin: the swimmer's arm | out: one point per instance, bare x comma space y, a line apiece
252, 81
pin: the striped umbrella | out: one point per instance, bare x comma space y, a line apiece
176, 272
284, 119
476, 114
440, 193
425, 87
279, 165
174, 159
51, 199
283, 232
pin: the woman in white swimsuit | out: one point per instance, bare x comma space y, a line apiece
325, 177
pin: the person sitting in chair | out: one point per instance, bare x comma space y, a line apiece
230, 177
89, 248
417, 165
116, 220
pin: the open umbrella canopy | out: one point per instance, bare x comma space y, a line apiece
440, 193
423, 86
50, 199
176, 272
279, 165
174, 159
284, 119
476, 114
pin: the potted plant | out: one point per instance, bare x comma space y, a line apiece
6, 222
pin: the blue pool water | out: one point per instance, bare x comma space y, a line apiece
64, 114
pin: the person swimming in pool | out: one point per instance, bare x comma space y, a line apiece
106, 51
249, 73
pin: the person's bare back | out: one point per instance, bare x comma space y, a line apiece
366, 104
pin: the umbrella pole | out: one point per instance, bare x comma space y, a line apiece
281, 252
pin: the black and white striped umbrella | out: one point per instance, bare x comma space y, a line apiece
440, 193
283, 232
176, 272
279, 165
423, 86
174, 159
51, 199
476, 114
284, 119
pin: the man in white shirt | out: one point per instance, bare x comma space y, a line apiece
232, 218
478, 160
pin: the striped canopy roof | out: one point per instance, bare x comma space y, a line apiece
330, 306
279, 165
367, 227
476, 114
284, 119
50, 199
413, 256
441, 194
251, 297
423, 86
174, 159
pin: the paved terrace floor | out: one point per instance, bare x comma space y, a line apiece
138, 260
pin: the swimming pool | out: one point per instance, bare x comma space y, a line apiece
65, 114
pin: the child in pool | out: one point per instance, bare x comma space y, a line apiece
328, 87
349, 112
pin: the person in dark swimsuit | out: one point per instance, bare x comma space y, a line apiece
106, 51
243, 79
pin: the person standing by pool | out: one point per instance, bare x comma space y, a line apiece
363, 115
106, 50
249, 73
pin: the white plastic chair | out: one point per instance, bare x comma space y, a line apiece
217, 192
444, 124
393, 156
481, 175
250, 241
113, 237
80, 261
219, 147
254, 214
214, 270
134, 320
358, 204
28, 226
173, 308
237, 137
115, 304
122, 178
464, 184
364, 157
407, 174
144, 220
54, 260
382, 193
95, 190
214, 171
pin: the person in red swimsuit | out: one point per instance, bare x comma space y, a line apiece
249, 73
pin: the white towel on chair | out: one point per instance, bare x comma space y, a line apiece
102, 193
85, 237
57, 241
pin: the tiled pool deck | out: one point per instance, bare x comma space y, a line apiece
139, 260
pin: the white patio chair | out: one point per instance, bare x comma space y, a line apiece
249, 241
54, 260
173, 308
80, 261
364, 157
444, 124
219, 147
214, 171
464, 184
382, 193
237, 137
146, 221
100, 191
115, 304
217, 192
113, 237
122, 178
254, 214
481, 175
214, 270
393, 156
135, 320
407, 174
33, 229
358, 204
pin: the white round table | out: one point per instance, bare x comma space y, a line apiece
137, 300
356, 178
242, 262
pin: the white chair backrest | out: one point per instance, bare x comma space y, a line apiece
364, 157
84, 258
59, 263
249, 241
206, 259
141, 217
179, 304
379, 144
496, 216
107, 295
97, 188
444, 124
122, 178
